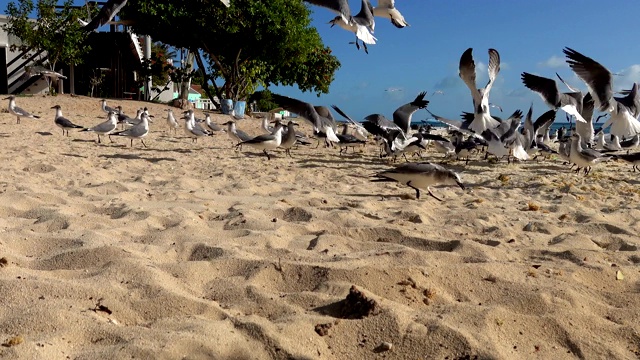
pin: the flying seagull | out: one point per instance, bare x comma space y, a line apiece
624, 110
387, 9
570, 102
362, 25
402, 115
467, 71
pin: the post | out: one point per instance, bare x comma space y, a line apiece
72, 88
60, 84
147, 56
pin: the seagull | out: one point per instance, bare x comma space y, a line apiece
36, 70
107, 12
107, 109
402, 116
266, 141
319, 116
467, 71
421, 176
289, 138
192, 129
105, 128
171, 121
236, 136
62, 122
583, 158
360, 132
633, 159
18, 112
630, 143
362, 25
347, 140
386, 9
138, 131
624, 110
210, 124
570, 102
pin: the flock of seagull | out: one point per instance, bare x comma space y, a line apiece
476, 132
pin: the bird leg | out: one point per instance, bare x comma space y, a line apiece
18, 120
267, 154
99, 138
366, 50
431, 193
131, 142
414, 188
143, 144
405, 157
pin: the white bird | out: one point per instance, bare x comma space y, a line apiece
171, 121
624, 110
421, 176
62, 122
386, 9
138, 131
107, 109
266, 141
36, 70
570, 102
191, 129
236, 136
363, 25
467, 71
105, 128
19, 112
583, 158
210, 124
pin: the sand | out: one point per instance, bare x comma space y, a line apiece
196, 251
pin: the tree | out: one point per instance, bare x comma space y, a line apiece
263, 100
249, 44
56, 35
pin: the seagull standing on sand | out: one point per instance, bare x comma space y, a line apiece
482, 116
62, 122
236, 136
138, 131
421, 176
190, 128
583, 158
289, 138
624, 110
266, 141
387, 9
362, 25
107, 109
105, 128
171, 121
19, 112
210, 124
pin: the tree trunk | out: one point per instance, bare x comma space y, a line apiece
185, 85
205, 84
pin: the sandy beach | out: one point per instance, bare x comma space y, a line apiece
197, 251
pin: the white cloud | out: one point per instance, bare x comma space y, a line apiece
553, 62
627, 77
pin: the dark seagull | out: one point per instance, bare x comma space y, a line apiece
402, 115
319, 117
62, 122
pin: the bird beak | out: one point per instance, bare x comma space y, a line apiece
53, 107
7, 98
295, 124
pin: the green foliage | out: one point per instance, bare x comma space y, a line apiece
263, 100
249, 44
55, 31
160, 67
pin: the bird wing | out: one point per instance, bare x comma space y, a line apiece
597, 77
544, 121
107, 12
339, 6
631, 101
387, 4
22, 112
382, 122
64, 122
529, 127
572, 89
402, 115
303, 109
467, 72
355, 123
545, 87
587, 107
494, 69
226, 2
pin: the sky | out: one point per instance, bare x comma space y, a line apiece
529, 35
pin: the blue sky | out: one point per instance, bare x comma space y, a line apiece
529, 35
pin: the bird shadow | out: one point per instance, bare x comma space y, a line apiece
44, 133
5, 135
74, 155
83, 140
137, 157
